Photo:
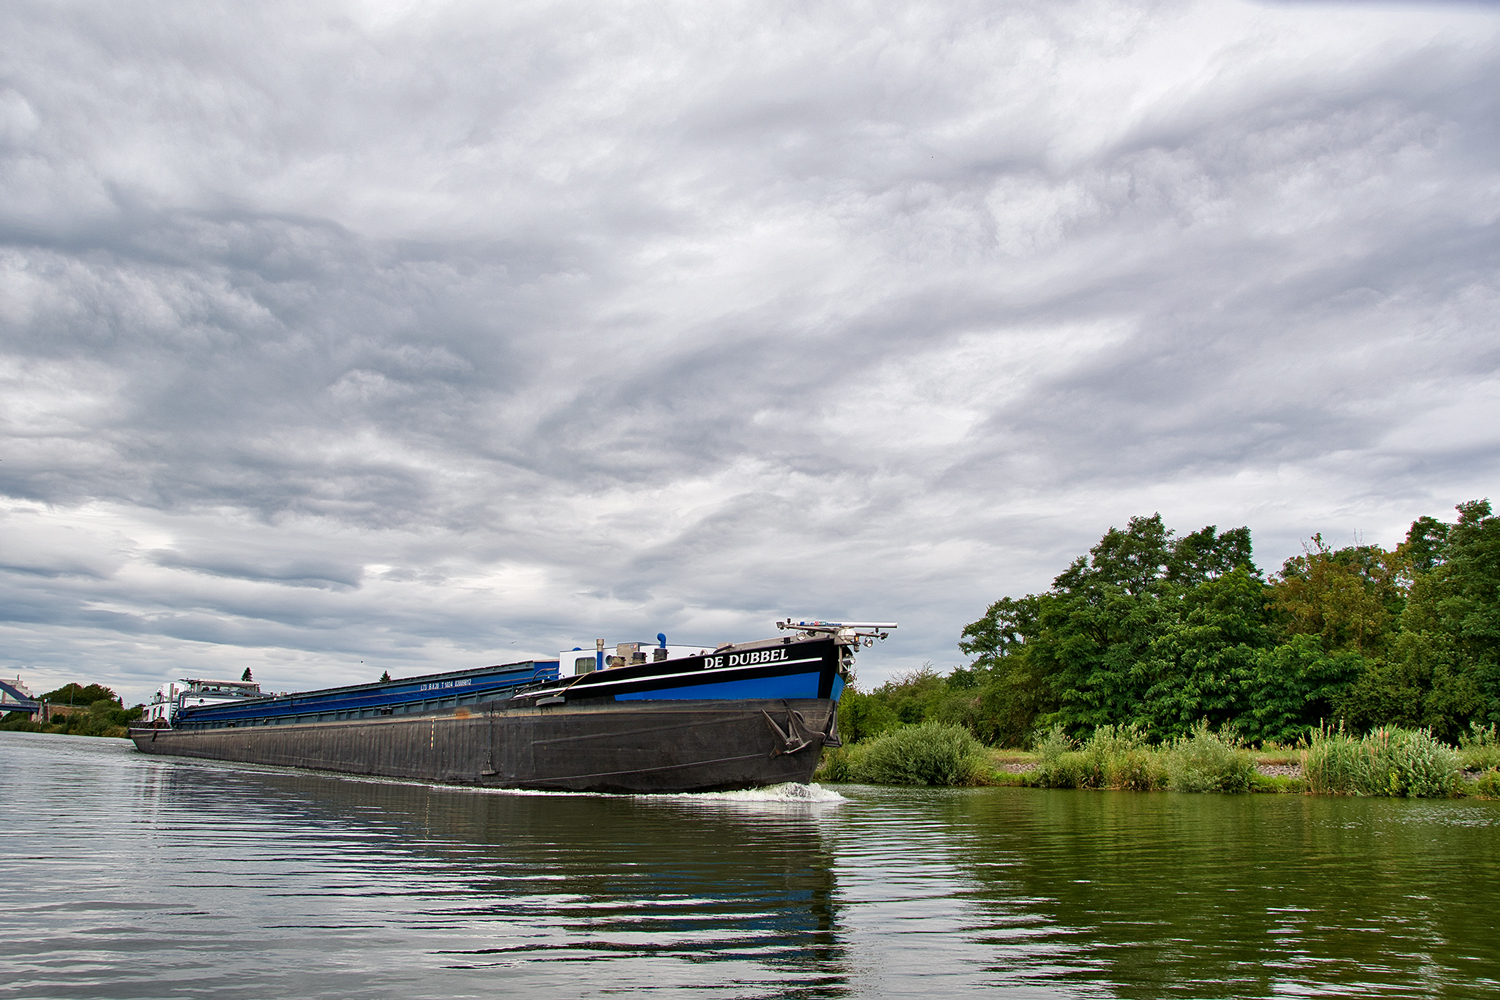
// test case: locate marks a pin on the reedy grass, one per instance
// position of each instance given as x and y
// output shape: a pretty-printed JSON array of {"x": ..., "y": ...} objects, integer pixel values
[
  {"x": 1386, "y": 762},
  {"x": 1408, "y": 763},
  {"x": 1479, "y": 749},
  {"x": 1119, "y": 757}
]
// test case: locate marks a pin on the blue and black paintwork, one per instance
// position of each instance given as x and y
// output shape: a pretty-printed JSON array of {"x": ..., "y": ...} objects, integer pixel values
[
  {"x": 742, "y": 716},
  {"x": 775, "y": 668}
]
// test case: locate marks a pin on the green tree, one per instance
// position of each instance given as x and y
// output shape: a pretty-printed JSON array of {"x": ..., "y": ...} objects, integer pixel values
[
  {"x": 1444, "y": 668},
  {"x": 79, "y": 694},
  {"x": 1146, "y": 629},
  {"x": 1350, "y": 598},
  {"x": 1012, "y": 694},
  {"x": 1299, "y": 685}
]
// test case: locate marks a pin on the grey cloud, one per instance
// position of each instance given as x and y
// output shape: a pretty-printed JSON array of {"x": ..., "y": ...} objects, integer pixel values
[{"x": 571, "y": 321}]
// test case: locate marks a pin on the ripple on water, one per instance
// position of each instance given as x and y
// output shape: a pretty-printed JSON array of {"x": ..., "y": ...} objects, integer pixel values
[{"x": 128, "y": 876}]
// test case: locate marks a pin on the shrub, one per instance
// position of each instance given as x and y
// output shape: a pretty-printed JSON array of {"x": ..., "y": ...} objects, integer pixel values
[
  {"x": 1411, "y": 763},
  {"x": 1118, "y": 757},
  {"x": 1059, "y": 765},
  {"x": 19, "y": 722},
  {"x": 1206, "y": 761},
  {"x": 1113, "y": 757},
  {"x": 926, "y": 754},
  {"x": 1488, "y": 785},
  {"x": 1398, "y": 762},
  {"x": 864, "y": 716},
  {"x": 840, "y": 764},
  {"x": 1479, "y": 749}
]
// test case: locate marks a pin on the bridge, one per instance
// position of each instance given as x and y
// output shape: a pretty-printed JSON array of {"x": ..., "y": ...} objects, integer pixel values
[{"x": 15, "y": 698}]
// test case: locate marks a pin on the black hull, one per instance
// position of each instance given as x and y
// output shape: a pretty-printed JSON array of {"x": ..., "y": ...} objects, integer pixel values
[{"x": 641, "y": 746}]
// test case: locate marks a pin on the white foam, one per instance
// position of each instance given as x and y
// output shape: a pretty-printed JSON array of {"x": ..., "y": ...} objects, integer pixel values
[{"x": 787, "y": 793}]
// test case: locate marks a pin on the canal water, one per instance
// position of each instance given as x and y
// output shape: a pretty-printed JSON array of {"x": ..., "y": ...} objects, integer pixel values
[{"x": 130, "y": 876}]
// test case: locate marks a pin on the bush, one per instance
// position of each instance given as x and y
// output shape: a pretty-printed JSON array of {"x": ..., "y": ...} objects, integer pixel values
[
  {"x": 1488, "y": 785},
  {"x": 1118, "y": 757},
  {"x": 1409, "y": 763},
  {"x": 19, "y": 722},
  {"x": 864, "y": 716},
  {"x": 1205, "y": 761},
  {"x": 926, "y": 754},
  {"x": 840, "y": 764},
  {"x": 1058, "y": 765},
  {"x": 1478, "y": 749},
  {"x": 1113, "y": 757}
]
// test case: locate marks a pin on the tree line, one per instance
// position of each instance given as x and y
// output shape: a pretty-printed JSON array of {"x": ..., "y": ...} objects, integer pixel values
[{"x": 1160, "y": 631}]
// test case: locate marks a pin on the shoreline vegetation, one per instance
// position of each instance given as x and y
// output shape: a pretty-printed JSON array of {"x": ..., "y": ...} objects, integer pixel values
[
  {"x": 1401, "y": 763},
  {"x": 1158, "y": 660},
  {"x": 77, "y": 710}
]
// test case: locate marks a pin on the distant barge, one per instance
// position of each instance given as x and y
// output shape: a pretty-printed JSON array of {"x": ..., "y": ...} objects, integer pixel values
[{"x": 642, "y": 719}]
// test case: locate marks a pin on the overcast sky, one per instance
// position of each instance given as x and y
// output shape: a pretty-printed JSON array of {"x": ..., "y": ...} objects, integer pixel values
[{"x": 338, "y": 338}]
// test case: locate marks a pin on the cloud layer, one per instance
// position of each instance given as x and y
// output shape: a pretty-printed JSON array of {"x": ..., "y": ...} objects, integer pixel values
[{"x": 337, "y": 338}]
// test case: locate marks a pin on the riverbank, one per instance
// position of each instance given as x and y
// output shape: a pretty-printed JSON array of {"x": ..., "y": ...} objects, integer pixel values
[
  {"x": 1385, "y": 762},
  {"x": 1273, "y": 773}
]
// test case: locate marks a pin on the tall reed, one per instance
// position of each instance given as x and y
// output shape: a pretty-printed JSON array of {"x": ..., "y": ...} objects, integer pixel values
[
  {"x": 1119, "y": 757},
  {"x": 1409, "y": 763}
]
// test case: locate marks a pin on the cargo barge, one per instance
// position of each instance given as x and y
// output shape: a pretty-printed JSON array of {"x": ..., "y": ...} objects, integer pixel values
[{"x": 634, "y": 719}]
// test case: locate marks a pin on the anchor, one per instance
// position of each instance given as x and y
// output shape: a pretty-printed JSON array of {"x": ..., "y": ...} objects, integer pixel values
[{"x": 793, "y": 738}]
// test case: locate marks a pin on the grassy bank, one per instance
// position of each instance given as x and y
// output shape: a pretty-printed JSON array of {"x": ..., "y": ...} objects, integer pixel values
[
  {"x": 103, "y": 717},
  {"x": 1387, "y": 761}
]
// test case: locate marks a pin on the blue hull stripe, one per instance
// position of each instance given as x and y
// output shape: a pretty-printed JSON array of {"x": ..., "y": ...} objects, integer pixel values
[{"x": 785, "y": 686}]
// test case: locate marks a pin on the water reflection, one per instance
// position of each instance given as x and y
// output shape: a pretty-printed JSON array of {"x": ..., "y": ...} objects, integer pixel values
[
  {"x": 1255, "y": 896},
  {"x": 732, "y": 895},
  {"x": 133, "y": 876}
]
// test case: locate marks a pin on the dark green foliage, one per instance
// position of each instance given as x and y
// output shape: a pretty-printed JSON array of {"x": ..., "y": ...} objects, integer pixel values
[
  {"x": 1158, "y": 632},
  {"x": 1466, "y": 599},
  {"x": 926, "y": 754},
  {"x": 863, "y": 716},
  {"x": 19, "y": 722},
  {"x": 1297, "y": 685},
  {"x": 95, "y": 711},
  {"x": 1148, "y": 630},
  {"x": 77, "y": 694}
]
